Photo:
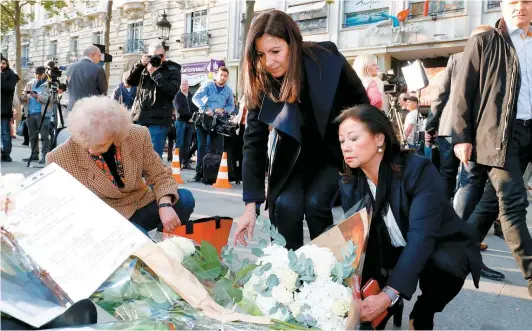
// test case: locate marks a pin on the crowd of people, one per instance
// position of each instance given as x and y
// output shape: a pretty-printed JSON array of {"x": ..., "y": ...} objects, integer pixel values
[{"x": 303, "y": 99}]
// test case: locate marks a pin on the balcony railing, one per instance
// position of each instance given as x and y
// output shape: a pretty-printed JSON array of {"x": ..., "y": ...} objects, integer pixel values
[
  {"x": 135, "y": 46},
  {"x": 196, "y": 39},
  {"x": 24, "y": 62},
  {"x": 72, "y": 57}
]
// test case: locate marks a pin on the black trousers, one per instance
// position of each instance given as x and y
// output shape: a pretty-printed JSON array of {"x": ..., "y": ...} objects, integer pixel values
[
  {"x": 306, "y": 196},
  {"x": 448, "y": 165},
  {"x": 507, "y": 191},
  {"x": 438, "y": 288}
]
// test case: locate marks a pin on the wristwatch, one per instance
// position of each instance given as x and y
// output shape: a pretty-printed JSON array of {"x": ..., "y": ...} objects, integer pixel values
[
  {"x": 166, "y": 204},
  {"x": 391, "y": 294}
]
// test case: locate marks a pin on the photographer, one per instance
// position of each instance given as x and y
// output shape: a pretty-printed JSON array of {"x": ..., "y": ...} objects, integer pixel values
[
  {"x": 212, "y": 98},
  {"x": 158, "y": 81},
  {"x": 35, "y": 96}
]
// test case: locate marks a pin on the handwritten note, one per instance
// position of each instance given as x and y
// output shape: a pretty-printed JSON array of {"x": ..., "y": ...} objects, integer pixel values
[{"x": 69, "y": 232}]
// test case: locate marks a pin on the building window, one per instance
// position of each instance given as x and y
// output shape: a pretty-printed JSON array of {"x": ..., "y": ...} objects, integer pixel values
[
  {"x": 97, "y": 22},
  {"x": 74, "y": 44},
  {"x": 135, "y": 42},
  {"x": 493, "y": 4},
  {"x": 364, "y": 12},
  {"x": 440, "y": 7},
  {"x": 197, "y": 34},
  {"x": 97, "y": 38},
  {"x": 52, "y": 51},
  {"x": 309, "y": 16},
  {"x": 25, "y": 59}
]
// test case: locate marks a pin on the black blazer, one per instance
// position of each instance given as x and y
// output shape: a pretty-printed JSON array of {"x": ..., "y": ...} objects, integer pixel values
[
  {"x": 429, "y": 224},
  {"x": 184, "y": 106},
  {"x": 333, "y": 87}
]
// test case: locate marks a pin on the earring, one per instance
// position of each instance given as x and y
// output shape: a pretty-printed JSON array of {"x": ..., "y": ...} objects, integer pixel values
[{"x": 379, "y": 149}]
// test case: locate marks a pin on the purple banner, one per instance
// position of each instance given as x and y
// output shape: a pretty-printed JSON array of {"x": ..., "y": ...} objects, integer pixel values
[{"x": 201, "y": 67}]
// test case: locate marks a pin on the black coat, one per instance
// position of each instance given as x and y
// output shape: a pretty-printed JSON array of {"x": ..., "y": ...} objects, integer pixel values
[
  {"x": 333, "y": 87},
  {"x": 155, "y": 93},
  {"x": 430, "y": 226},
  {"x": 484, "y": 96},
  {"x": 184, "y": 106},
  {"x": 9, "y": 83}
]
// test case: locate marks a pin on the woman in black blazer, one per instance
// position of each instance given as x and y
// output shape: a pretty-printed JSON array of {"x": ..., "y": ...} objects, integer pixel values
[
  {"x": 415, "y": 235},
  {"x": 298, "y": 88}
]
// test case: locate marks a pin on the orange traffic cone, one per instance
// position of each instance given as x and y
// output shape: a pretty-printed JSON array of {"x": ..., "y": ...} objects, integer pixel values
[
  {"x": 176, "y": 167},
  {"x": 222, "y": 181}
]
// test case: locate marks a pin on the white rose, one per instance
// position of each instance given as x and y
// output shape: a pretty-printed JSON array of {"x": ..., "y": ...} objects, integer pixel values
[
  {"x": 295, "y": 307},
  {"x": 340, "y": 308},
  {"x": 282, "y": 295},
  {"x": 265, "y": 304},
  {"x": 186, "y": 245},
  {"x": 173, "y": 251},
  {"x": 287, "y": 277}
]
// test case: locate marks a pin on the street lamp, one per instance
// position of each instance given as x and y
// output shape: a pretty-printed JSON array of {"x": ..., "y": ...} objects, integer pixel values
[{"x": 164, "y": 29}]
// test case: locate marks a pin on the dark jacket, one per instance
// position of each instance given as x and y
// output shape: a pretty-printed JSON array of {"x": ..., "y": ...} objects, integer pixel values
[
  {"x": 184, "y": 106},
  {"x": 9, "y": 83},
  {"x": 124, "y": 96},
  {"x": 484, "y": 96},
  {"x": 157, "y": 91},
  {"x": 333, "y": 86},
  {"x": 438, "y": 118},
  {"x": 85, "y": 78},
  {"x": 432, "y": 233}
]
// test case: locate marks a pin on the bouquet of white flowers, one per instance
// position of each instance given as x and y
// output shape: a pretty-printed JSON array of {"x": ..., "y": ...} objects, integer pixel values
[{"x": 308, "y": 287}]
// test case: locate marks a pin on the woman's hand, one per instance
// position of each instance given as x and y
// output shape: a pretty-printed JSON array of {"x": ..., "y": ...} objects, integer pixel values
[
  {"x": 373, "y": 306},
  {"x": 169, "y": 218},
  {"x": 245, "y": 226}
]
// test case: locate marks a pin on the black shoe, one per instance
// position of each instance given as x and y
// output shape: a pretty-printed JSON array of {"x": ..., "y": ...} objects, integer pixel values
[
  {"x": 26, "y": 143},
  {"x": 497, "y": 229},
  {"x": 6, "y": 158},
  {"x": 187, "y": 167},
  {"x": 488, "y": 273},
  {"x": 197, "y": 179},
  {"x": 32, "y": 159}
]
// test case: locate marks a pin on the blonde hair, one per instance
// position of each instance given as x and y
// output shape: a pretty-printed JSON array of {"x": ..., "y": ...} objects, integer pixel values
[
  {"x": 96, "y": 117},
  {"x": 362, "y": 64}
]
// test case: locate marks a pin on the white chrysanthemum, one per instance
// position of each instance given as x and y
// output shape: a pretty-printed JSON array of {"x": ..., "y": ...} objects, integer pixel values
[
  {"x": 328, "y": 300},
  {"x": 282, "y": 295},
  {"x": 274, "y": 254},
  {"x": 287, "y": 276},
  {"x": 265, "y": 304},
  {"x": 322, "y": 258},
  {"x": 186, "y": 245}
]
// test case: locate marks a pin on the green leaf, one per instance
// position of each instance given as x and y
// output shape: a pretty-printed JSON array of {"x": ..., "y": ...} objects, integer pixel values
[
  {"x": 257, "y": 252},
  {"x": 301, "y": 318},
  {"x": 308, "y": 279},
  {"x": 267, "y": 294},
  {"x": 266, "y": 267},
  {"x": 311, "y": 321},
  {"x": 209, "y": 252},
  {"x": 273, "y": 310},
  {"x": 304, "y": 307},
  {"x": 224, "y": 293},
  {"x": 349, "y": 260},
  {"x": 263, "y": 243},
  {"x": 204, "y": 270},
  {"x": 292, "y": 257},
  {"x": 245, "y": 261},
  {"x": 350, "y": 247},
  {"x": 244, "y": 272},
  {"x": 272, "y": 281}
]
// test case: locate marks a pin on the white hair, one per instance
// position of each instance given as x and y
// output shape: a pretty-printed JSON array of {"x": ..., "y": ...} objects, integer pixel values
[
  {"x": 90, "y": 50},
  {"x": 363, "y": 63},
  {"x": 96, "y": 117},
  {"x": 154, "y": 47}
]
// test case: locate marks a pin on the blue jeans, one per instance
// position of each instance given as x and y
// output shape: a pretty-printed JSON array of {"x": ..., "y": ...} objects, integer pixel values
[
  {"x": 147, "y": 217},
  {"x": 183, "y": 140},
  {"x": 6, "y": 137},
  {"x": 158, "y": 137}
]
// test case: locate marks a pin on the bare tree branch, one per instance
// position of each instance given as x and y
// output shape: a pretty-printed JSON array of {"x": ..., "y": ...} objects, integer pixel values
[{"x": 4, "y": 8}]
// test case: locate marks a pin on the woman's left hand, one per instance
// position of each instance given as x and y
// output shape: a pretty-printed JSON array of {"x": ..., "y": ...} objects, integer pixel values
[
  {"x": 169, "y": 218},
  {"x": 373, "y": 306}
]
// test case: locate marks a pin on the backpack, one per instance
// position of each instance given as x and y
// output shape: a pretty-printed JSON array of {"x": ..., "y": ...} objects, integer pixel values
[{"x": 211, "y": 165}]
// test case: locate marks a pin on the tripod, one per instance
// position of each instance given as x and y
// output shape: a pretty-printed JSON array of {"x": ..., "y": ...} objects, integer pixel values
[
  {"x": 395, "y": 118},
  {"x": 53, "y": 99}
]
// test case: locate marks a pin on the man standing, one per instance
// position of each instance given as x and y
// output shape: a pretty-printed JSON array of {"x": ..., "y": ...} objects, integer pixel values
[
  {"x": 184, "y": 128},
  {"x": 35, "y": 96},
  {"x": 157, "y": 80},
  {"x": 86, "y": 77},
  {"x": 492, "y": 122},
  {"x": 9, "y": 82},
  {"x": 213, "y": 97},
  {"x": 413, "y": 122}
]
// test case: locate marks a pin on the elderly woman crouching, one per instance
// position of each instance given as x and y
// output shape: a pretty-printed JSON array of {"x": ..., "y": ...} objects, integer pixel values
[{"x": 109, "y": 155}]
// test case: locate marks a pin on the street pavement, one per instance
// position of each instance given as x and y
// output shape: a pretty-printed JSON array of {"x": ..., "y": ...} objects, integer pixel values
[{"x": 496, "y": 305}]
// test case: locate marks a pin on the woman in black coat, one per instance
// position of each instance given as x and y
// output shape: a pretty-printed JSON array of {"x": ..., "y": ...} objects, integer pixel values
[
  {"x": 415, "y": 234},
  {"x": 297, "y": 88}
]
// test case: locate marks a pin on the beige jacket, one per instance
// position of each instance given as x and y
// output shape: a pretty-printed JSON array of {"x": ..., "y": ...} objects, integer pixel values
[{"x": 138, "y": 159}]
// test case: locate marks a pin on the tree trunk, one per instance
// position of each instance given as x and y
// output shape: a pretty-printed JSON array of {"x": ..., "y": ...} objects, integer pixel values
[
  {"x": 18, "y": 57},
  {"x": 250, "y": 8},
  {"x": 108, "y": 18}
]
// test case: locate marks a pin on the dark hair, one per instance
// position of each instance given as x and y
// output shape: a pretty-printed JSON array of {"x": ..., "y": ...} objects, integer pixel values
[
  {"x": 223, "y": 68},
  {"x": 256, "y": 79},
  {"x": 62, "y": 86},
  {"x": 375, "y": 122}
]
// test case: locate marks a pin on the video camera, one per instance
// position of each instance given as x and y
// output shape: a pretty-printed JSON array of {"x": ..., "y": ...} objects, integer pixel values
[
  {"x": 393, "y": 84},
  {"x": 54, "y": 72}
]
